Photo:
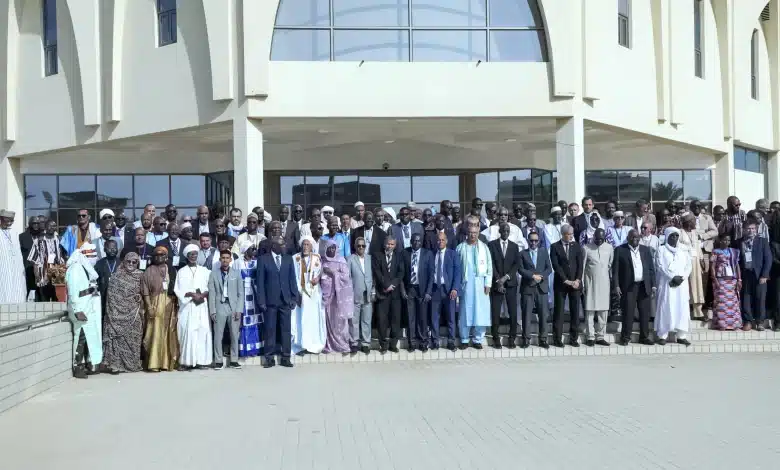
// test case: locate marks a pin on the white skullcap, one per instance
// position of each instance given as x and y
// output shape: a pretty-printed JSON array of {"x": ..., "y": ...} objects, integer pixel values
[
  {"x": 555, "y": 209},
  {"x": 411, "y": 205},
  {"x": 531, "y": 205},
  {"x": 359, "y": 204},
  {"x": 670, "y": 230},
  {"x": 189, "y": 249},
  {"x": 185, "y": 225},
  {"x": 617, "y": 214},
  {"x": 310, "y": 240},
  {"x": 106, "y": 212},
  {"x": 251, "y": 215},
  {"x": 391, "y": 212},
  {"x": 245, "y": 245},
  {"x": 328, "y": 209}
]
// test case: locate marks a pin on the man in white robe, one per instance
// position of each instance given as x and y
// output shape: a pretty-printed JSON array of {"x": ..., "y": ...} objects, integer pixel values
[
  {"x": 13, "y": 283},
  {"x": 194, "y": 329},
  {"x": 84, "y": 311},
  {"x": 673, "y": 265},
  {"x": 477, "y": 267}
]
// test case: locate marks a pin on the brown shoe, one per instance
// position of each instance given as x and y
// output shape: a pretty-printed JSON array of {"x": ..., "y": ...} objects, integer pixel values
[{"x": 747, "y": 327}]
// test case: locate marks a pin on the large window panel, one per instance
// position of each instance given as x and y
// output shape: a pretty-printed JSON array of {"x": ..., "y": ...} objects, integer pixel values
[
  {"x": 667, "y": 185},
  {"x": 515, "y": 186},
  {"x": 77, "y": 191},
  {"x": 114, "y": 191},
  {"x": 291, "y": 190},
  {"x": 517, "y": 46},
  {"x": 303, "y": 13},
  {"x": 514, "y": 13},
  {"x": 363, "y": 13},
  {"x": 435, "y": 188},
  {"x": 388, "y": 189},
  {"x": 152, "y": 189},
  {"x": 753, "y": 161},
  {"x": 449, "y": 46},
  {"x": 380, "y": 45},
  {"x": 487, "y": 186},
  {"x": 698, "y": 184},
  {"x": 600, "y": 185},
  {"x": 40, "y": 192},
  {"x": 301, "y": 45},
  {"x": 448, "y": 13},
  {"x": 740, "y": 158},
  {"x": 632, "y": 186},
  {"x": 319, "y": 191},
  {"x": 345, "y": 193},
  {"x": 543, "y": 190},
  {"x": 188, "y": 190}
]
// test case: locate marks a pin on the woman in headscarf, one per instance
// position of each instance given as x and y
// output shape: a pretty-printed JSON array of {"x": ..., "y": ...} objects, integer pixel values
[
  {"x": 726, "y": 284},
  {"x": 123, "y": 327},
  {"x": 595, "y": 222},
  {"x": 337, "y": 299},
  {"x": 249, "y": 342},
  {"x": 84, "y": 312},
  {"x": 309, "y": 332},
  {"x": 161, "y": 341}
]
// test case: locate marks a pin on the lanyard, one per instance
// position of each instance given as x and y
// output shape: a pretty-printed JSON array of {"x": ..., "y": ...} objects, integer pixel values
[{"x": 110, "y": 267}]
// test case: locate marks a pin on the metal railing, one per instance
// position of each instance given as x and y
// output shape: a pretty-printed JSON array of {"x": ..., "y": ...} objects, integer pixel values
[{"x": 36, "y": 323}]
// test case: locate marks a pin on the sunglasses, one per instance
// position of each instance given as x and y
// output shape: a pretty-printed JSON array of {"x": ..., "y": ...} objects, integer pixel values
[
  {"x": 106, "y": 217},
  {"x": 132, "y": 262},
  {"x": 360, "y": 246},
  {"x": 83, "y": 216},
  {"x": 203, "y": 213},
  {"x": 533, "y": 241}
]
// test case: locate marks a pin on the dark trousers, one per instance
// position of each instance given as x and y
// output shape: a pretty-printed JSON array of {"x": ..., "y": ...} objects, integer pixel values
[
  {"x": 388, "y": 312},
  {"x": 636, "y": 299},
  {"x": 496, "y": 301},
  {"x": 753, "y": 297},
  {"x": 441, "y": 303},
  {"x": 272, "y": 317},
  {"x": 417, "y": 317},
  {"x": 536, "y": 299},
  {"x": 774, "y": 283},
  {"x": 560, "y": 294}
]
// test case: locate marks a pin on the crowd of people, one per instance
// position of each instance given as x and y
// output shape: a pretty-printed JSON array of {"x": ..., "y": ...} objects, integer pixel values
[{"x": 169, "y": 293}]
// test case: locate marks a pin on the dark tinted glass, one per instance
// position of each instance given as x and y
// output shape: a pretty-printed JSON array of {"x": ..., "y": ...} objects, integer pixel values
[
  {"x": 667, "y": 185},
  {"x": 188, "y": 190},
  {"x": 114, "y": 191},
  {"x": 600, "y": 185},
  {"x": 40, "y": 192},
  {"x": 152, "y": 189},
  {"x": 632, "y": 186}
]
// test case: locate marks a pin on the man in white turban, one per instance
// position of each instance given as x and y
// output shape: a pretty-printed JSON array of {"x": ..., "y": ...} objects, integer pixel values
[
  {"x": 84, "y": 311},
  {"x": 194, "y": 327},
  {"x": 673, "y": 266},
  {"x": 13, "y": 286}
]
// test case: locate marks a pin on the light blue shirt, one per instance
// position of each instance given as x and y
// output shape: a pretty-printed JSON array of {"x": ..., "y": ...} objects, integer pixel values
[{"x": 342, "y": 243}]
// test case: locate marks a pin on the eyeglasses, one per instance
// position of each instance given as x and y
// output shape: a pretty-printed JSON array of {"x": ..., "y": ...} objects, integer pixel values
[
  {"x": 83, "y": 216},
  {"x": 533, "y": 241},
  {"x": 132, "y": 262},
  {"x": 107, "y": 217},
  {"x": 203, "y": 213},
  {"x": 361, "y": 245}
]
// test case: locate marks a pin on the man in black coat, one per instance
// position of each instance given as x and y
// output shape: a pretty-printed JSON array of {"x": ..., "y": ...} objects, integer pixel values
[
  {"x": 568, "y": 261},
  {"x": 431, "y": 241},
  {"x": 175, "y": 246},
  {"x": 105, "y": 268},
  {"x": 388, "y": 271},
  {"x": 633, "y": 273},
  {"x": 535, "y": 268},
  {"x": 416, "y": 291},
  {"x": 26, "y": 241},
  {"x": 373, "y": 235},
  {"x": 506, "y": 261},
  {"x": 755, "y": 260},
  {"x": 580, "y": 223}
]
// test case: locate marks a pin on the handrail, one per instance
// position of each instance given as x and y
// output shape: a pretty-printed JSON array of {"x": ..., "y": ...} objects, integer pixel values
[{"x": 32, "y": 324}]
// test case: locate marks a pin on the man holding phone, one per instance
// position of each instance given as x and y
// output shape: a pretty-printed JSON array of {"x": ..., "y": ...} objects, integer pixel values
[{"x": 84, "y": 311}]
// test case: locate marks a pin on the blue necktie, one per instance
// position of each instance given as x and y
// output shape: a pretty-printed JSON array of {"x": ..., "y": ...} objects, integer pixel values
[{"x": 533, "y": 257}]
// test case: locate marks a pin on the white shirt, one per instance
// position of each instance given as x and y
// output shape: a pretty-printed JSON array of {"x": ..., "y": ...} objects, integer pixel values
[
  {"x": 504, "y": 244},
  {"x": 440, "y": 263},
  {"x": 407, "y": 240},
  {"x": 367, "y": 235},
  {"x": 362, "y": 263},
  {"x": 636, "y": 260}
]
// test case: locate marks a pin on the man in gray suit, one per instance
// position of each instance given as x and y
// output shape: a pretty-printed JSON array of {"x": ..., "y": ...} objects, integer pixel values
[
  {"x": 403, "y": 230},
  {"x": 226, "y": 305},
  {"x": 708, "y": 232},
  {"x": 363, "y": 292}
]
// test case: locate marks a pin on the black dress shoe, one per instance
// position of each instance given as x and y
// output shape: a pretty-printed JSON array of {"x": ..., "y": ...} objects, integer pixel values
[
  {"x": 623, "y": 342},
  {"x": 510, "y": 343},
  {"x": 393, "y": 349},
  {"x": 524, "y": 343},
  {"x": 382, "y": 349},
  {"x": 646, "y": 341},
  {"x": 80, "y": 372},
  {"x": 434, "y": 346},
  {"x": 574, "y": 343},
  {"x": 286, "y": 362},
  {"x": 590, "y": 343},
  {"x": 558, "y": 343},
  {"x": 544, "y": 345},
  {"x": 477, "y": 345},
  {"x": 423, "y": 349},
  {"x": 463, "y": 346},
  {"x": 497, "y": 344},
  {"x": 602, "y": 342},
  {"x": 684, "y": 342},
  {"x": 365, "y": 350},
  {"x": 661, "y": 342},
  {"x": 451, "y": 347},
  {"x": 270, "y": 363},
  {"x": 353, "y": 350}
]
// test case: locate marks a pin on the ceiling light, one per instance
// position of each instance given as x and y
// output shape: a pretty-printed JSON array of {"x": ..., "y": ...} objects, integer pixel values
[
  {"x": 389, "y": 141},
  {"x": 322, "y": 131},
  {"x": 510, "y": 140},
  {"x": 401, "y": 120}
]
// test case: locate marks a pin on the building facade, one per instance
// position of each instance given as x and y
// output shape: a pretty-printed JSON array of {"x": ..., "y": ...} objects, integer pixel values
[{"x": 117, "y": 103}]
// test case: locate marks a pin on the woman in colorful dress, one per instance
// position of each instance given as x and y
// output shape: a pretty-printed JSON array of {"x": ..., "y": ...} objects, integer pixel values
[
  {"x": 337, "y": 299},
  {"x": 309, "y": 331},
  {"x": 122, "y": 322},
  {"x": 249, "y": 342},
  {"x": 161, "y": 337},
  {"x": 726, "y": 284}
]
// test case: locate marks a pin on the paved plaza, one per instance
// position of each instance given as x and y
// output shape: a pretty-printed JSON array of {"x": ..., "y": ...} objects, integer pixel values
[{"x": 707, "y": 411}]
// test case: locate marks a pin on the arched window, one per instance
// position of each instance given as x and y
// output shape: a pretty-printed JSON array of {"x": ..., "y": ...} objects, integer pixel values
[
  {"x": 754, "y": 65},
  {"x": 409, "y": 30}
]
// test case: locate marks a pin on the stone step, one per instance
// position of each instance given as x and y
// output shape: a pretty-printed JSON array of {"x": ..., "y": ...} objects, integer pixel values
[{"x": 703, "y": 347}]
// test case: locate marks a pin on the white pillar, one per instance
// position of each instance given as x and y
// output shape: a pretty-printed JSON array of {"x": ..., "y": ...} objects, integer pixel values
[
  {"x": 773, "y": 191},
  {"x": 723, "y": 178},
  {"x": 248, "y": 179},
  {"x": 570, "y": 159},
  {"x": 12, "y": 190}
]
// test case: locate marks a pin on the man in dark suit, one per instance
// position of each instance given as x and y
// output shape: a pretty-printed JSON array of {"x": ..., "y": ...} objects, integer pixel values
[
  {"x": 416, "y": 291},
  {"x": 446, "y": 287},
  {"x": 755, "y": 260},
  {"x": 277, "y": 294},
  {"x": 26, "y": 241},
  {"x": 535, "y": 268},
  {"x": 374, "y": 237},
  {"x": 139, "y": 246},
  {"x": 403, "y": 230},
  {"x": 105, "y": 268},
  {"x": 203, "y": 224},
  {"x": 291, "y": 231},
  {"x": 506, "y": 260},
  {"x": 273, "y": 230},
  {"x": 568, "y": 262},
  {"x": 431, "y": 241},
  {"x": 580, "y": 223},
  {"x": 388, "y": 270},
  {"x": 532, "y": 227},
  {"x": 633, "y": 273},
  {"x": 175, "y": 246}
]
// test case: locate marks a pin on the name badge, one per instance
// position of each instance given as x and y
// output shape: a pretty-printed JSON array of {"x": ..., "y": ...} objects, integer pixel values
[
  {"x": 51, "y": 258},
  {"x": 748, "y": 256},
  {"x": 142, "y": 265},
  {"x": 729, "y": 272},
  {"x": 165, "y": 285},
  {"x": 176, "y": 260}
]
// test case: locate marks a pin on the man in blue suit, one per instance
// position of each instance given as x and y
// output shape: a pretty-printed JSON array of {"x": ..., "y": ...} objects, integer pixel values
[
  {"x": 431, "y": 240},
  {"x": 277, "y": 295},
  {"x": 403, "y": 230},
  {"x": 535, "y": 269},
  {"x": 416, "y": 291},
  {"x": 446, "y": 287},
  {"x": 755, "y": 259}
]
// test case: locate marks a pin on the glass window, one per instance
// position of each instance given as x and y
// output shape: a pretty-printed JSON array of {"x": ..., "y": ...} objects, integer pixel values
[
  {"x": 624, "y": 21},
  {"x": 543, "y": 188},
  {"x": 360, "y": 13},
  {"x": 50, "y": 36},
  {"x": 114, "y": 191},
  {"x": 68, "y": 217},
  {"x": 166, "y": 17},
  {"x": 740, "y": 158},
  {"x": 449, "y": 46},
  {"x": 291, "y": 190},
  {"x": 452, "y": 13},
  {"x": 45, "y": 213},
  {"x": 381, "y": 45},
  {"x": 188, "y": 190},
  {"x": 697, "y": 39},
  {"x": 345, "y": 193},
  {"x": 667, "y": 185},
  {"x": 698, "y": 184},
  {"x": 385, "y": 189},
  {"x": 600, "y": 185},
  {"x": 515, "y": 186},
  {"x": 190, "y": 211},
  {"x": 752, "y": 161},
  {"x": 303, "y": 13},
  {"x": 40, "y": 191},
  {"x": 77, "y": 191},
  {"x": 514, "y": 13},
  {"x": 517, "y": 46},
  {"x": 319, "y": 191},
  {"x": 754, "y": 65},
  {"x": 152, "y": 189},
  {"x": 435, "y": 188},
  {"x": 632, "y": 186},
  {"x": 487, "y": 186},
  {"x": 301, "y": 45}
]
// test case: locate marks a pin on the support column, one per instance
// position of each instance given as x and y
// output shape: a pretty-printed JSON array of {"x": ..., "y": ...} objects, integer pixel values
[
  {"x": 570, "y": 159},
  {"x": 723, "y": 178},
  {"x": 773, "y": 177},
  {"x": 12, "y": 190},
  {"x": 248, "y": 177}
]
